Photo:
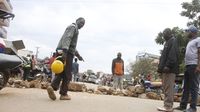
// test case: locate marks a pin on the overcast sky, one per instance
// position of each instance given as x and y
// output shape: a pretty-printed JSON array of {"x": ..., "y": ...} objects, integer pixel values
[{"x": 126, "y": 26}]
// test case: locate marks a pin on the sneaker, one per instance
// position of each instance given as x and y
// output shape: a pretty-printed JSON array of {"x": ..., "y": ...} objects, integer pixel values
[
  {"x": 190, "y": 110},
  {"x": 164, "y": 109},
  {"x": 51, "y": 93},
  {"x": 65, "y": 97},
  {"x": 180, "y": 108}
]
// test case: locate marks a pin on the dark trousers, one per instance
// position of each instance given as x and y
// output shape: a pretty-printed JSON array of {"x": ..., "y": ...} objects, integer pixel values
[
  {"x": 26, "y": 73},
  {"x": 191, "y": 87},
  {"x": 64, "y": 77}
]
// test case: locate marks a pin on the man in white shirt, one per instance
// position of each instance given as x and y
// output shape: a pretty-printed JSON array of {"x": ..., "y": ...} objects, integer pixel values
[{"x": 192, "y": 71}]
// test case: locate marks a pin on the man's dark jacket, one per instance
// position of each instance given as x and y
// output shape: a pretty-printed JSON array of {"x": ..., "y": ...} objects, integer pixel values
[{"x": 169, "y": 57}]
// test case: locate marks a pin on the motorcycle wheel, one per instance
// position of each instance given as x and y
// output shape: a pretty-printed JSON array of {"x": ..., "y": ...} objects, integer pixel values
[{"x": 4, "y": 76}]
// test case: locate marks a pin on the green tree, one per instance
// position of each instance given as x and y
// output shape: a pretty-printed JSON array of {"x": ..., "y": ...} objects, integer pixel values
[
  {"x": 192, "y": 12},
  {"x": 143, "y": 66}
]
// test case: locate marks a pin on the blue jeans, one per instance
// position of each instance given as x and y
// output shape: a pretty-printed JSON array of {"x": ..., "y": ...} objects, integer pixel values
[
  {"x": 191, "y": 86},
  {"x": 118, "y": 82}
]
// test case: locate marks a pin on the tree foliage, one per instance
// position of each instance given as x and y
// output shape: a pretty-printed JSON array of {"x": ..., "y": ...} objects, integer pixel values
[
  {"x": 192, "y": 12},
  {"x": 143, "y": 66}
]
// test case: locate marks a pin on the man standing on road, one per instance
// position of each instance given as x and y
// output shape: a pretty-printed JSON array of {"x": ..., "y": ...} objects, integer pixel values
[
  {"x": 168, "y": 68},
  {"x": 75, "y": 70},
  {"x": 118, "y": 71},
  {"x": 67, "y": 44},
  {"x": 191, "y": 75}
]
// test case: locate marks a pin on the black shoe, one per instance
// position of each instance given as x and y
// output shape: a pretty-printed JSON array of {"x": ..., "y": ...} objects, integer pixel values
[{"x": 179, "y": 108}]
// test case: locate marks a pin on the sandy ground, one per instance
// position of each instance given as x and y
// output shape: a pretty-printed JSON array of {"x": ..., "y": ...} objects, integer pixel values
[{"x": 36, "y": 100}]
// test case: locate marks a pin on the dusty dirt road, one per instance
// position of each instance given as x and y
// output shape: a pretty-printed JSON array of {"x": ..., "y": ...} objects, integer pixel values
[{"x": 36, "y": 100}]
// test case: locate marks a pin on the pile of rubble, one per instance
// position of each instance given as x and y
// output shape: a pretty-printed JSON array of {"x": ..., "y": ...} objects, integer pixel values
[
  {"x": 17, "y": 83},
  {"x": 131, "y": 91}
]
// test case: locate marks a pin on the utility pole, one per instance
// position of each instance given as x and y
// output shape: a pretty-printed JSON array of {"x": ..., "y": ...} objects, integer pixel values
[{"x": 37, "y": 52}]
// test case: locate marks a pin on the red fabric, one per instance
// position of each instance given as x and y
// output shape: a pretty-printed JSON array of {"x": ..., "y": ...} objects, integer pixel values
[
  {"x": 51, "y": 60},
  {"x": 2, "y": 46}
]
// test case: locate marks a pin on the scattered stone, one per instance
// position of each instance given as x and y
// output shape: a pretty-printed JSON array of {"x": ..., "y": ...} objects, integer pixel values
[
  {"x": 131, "y": 88},
  {"x": 118, "y": 93},
  {"x": 17, "y": 86},
  {"x": 135, "y": 94},
  {"x": 35, "y": 84},
  {"x": 102, "y": 89},
  {"x": 152, "y": 95},
  {"x": 90, "y": 90},
  {"x": 17, "y": 82},
  {"x": 115, "y": 93},
  {"x": 139, "y": 89},
  {"x": 44, "y": 85},
  {"x": 98, "y": 92},
  {"x": 76, "y": 87},
  {"x": 143, "y": 96},
  {"x": 11, "y": 81},
  {"x": 8, "y": 85},
  {"x": 25, "y": 84},
  {"x": 126, "y": 92},
  {"x": 110, "y": 91},
  {"x": 131, "y": 91}
]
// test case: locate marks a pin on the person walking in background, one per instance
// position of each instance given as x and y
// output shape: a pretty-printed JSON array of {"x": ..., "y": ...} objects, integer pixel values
[
  {"x": 33, "y": 66},
  {"x": 67, "y": 45},
  {"x": 33, "y": 62},
  {"x": 118, "y": 71},
  {"x": 191, "y": 75},
  {"x": 75, "y": 70},
  {"x": 168, "y": 68},
  {"x": 27, "y": 68},
  {"x": 51, "y": 60},
  {"x": 148, "y": 77}
]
